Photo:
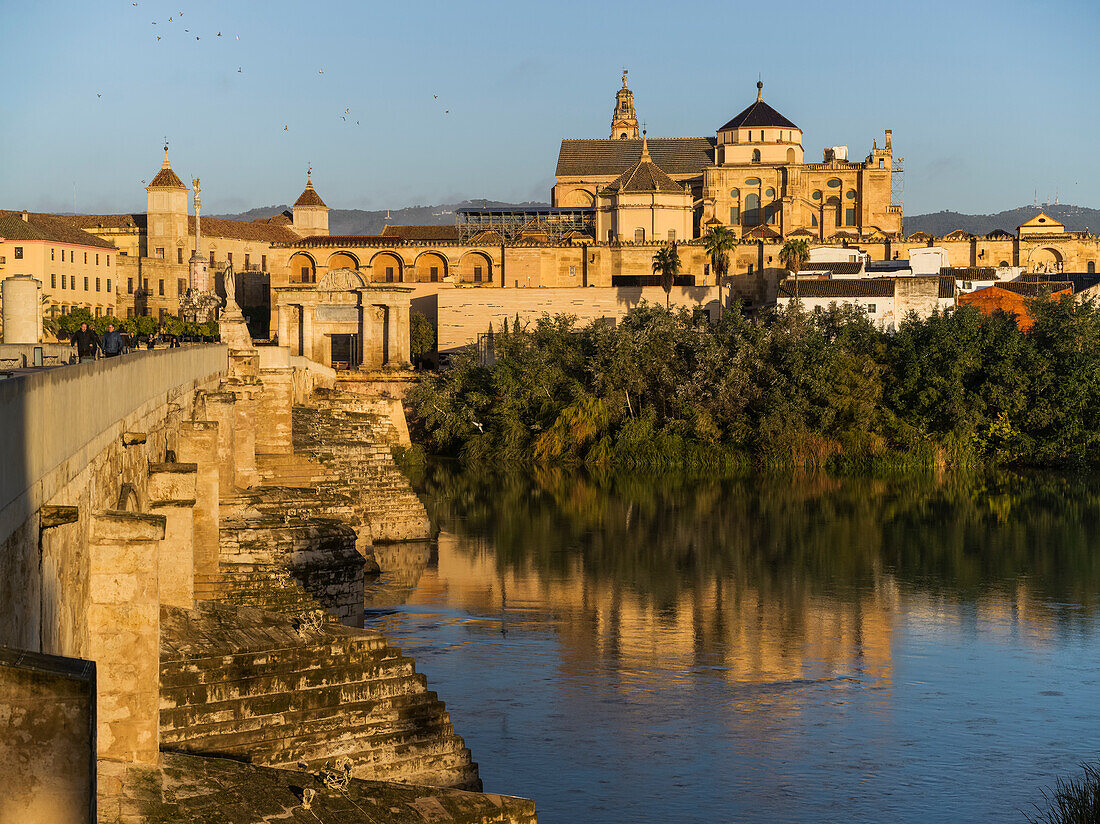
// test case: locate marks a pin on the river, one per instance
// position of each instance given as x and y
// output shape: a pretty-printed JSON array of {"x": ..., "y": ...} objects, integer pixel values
[{"x": 759, "y": 650}]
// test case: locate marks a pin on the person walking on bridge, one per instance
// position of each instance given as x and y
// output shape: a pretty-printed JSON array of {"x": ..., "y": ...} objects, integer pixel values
[
  {"x": 86, "y": 342},
  {"x": 112, "y": 342}
]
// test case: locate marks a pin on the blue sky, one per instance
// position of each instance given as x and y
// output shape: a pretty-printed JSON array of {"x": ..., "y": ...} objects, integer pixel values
[{"x": 989, "y": 101}]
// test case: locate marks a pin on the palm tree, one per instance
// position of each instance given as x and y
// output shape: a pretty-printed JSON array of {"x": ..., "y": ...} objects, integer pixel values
[
  {"x": 666, "y": 263},
  {"x": 50, "y": 326},
  {"x": 793, "y": 256},
  {"x": 718, "y": 242}
]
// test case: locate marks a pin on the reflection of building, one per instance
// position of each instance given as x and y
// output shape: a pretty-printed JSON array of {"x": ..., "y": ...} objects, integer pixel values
[{"x": 744, "y": 633}]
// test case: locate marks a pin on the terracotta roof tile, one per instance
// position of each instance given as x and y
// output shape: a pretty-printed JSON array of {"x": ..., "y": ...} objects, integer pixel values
[
  {"x": 40, "y": 226},
  {"x": 644, "y": 176},
  {"x": 309, "y": 197},
  {"x": 215, "y": 227},
  {"x": 93, "y": 222},
  {"x": 421, "y": 232},
  {"x": 167, "y": 178}
]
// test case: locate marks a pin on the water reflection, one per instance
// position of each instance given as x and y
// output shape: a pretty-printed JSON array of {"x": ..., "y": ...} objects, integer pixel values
[{"x": 816, "y": 642}]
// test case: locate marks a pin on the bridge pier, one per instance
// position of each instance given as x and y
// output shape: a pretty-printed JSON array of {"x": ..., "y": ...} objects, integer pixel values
[
  {"x": 198, "y": 445},
  {"x": 123, "y": 633},
  {"x": 172, "y": 491}
]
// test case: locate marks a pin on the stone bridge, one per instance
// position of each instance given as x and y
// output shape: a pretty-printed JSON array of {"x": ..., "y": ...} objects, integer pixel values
[{"x": 185, "y": 537}]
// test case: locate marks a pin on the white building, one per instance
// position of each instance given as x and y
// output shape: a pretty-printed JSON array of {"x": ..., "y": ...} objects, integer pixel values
[{"x": 886, "y": 300}]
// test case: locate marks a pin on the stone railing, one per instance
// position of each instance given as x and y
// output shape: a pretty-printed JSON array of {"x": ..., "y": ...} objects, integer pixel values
[{"x": 59, "y": 418}]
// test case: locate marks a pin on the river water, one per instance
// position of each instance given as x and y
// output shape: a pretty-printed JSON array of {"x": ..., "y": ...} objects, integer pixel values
[{"x": 764, "y": 650}]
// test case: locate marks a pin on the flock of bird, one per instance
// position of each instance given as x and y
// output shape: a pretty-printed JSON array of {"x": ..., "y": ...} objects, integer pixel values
[{"x": 240, "y": 69}]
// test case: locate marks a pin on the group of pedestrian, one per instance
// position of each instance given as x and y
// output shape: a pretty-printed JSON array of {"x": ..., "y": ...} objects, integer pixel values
[
  {"x": 113, "y": 343},
  {"x": 87, "y": 342}
]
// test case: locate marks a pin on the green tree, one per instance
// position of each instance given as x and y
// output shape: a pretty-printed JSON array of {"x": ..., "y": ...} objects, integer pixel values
[
  {"x": 719, "y": 241},
  {"x": 70, "y": 323},
  {"x": 422, "y": 336},
  {"x": 793, "y": 256},
  {"x": 666, "y": 263}
]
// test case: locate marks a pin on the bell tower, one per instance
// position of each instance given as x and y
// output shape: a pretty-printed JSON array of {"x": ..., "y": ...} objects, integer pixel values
[{"x": 624, "y": 121}]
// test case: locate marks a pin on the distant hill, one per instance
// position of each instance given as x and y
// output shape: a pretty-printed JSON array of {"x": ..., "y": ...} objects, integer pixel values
[
  {"x": 940, "y": 223},
  {"x": 363, "y": 222}
]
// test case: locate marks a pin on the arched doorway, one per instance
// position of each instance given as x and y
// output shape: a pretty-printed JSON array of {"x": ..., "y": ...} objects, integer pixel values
[
  {"x": 1045, "y": 259},
  {"x": 303, "y": 268},
  {"x": 476, "y": 267},
  {"x": 579, "y": 198},
  {"x": 386, "y": 267},
  {"x": 343, "y": 260},
  {"x": 431, "y": 267}
]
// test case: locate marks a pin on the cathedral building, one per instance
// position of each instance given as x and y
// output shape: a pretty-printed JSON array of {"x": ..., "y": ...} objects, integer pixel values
[{"x": 751, "y": 177}]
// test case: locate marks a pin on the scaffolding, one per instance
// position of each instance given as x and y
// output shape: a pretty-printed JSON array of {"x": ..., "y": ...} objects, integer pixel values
[
  {"x": 549, "y": 223},
  {"x": 897, "y": 186}
]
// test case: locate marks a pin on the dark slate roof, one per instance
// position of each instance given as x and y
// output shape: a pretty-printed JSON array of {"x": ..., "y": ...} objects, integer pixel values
[
  {"x": 675, "y": 155},
  {"x": 167, "y": 178},
  {"x": 39, "y": 226},
  {"x": 421, "y": 232},
  {"x": 847, "y": 267},
  {"x": 970, "y": 272},
  {"x": 309, "y": 197},
  {"x": 759, "y": 115},
  {"x": 1032, "y": 289},
  {"x": 840, "y": 288},
  {"x": 644, "y": 176}
]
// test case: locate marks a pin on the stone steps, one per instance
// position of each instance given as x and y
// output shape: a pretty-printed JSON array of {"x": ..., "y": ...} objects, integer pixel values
[{"x": 257, "y": 689}]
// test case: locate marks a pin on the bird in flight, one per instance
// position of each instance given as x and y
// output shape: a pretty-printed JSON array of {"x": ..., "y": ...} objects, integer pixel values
[
  {"x": 219, "y": 34},
  {"x": 169, "y": 19},
  {"x": 447, "y": 112},
  {"x": 158, "y": 37},
  {"x": 238, "y": 69},
  {"x": 320, "y": 71},
  {"x": 97, "y": 93},
  {"x": 284, "y": 128},
  {"x": 435, "y": 97}
]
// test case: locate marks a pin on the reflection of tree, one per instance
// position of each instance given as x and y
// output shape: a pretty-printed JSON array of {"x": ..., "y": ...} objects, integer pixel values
[{"x": 786, "y": 539}]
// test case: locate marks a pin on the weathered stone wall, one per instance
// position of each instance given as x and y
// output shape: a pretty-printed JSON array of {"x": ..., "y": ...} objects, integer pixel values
[
  {"x": 465, "y": 313},
  {"x": 336, "y": 430},
  {"x": 47, "y": 738}
]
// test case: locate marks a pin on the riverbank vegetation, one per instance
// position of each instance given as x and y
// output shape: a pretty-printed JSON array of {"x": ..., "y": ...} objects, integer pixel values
[{"x": 668, "y": 390}]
